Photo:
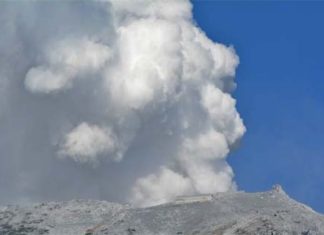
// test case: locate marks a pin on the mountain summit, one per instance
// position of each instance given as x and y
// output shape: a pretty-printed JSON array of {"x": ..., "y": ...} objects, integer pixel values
[{"x": 271, "y": 212}]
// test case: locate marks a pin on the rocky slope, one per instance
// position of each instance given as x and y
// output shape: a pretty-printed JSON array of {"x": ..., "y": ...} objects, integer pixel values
[{"x": 271, "y": 212}]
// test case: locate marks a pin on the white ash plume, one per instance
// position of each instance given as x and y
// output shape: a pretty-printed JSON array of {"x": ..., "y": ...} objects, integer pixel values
[{"x": 132, "y": 99}]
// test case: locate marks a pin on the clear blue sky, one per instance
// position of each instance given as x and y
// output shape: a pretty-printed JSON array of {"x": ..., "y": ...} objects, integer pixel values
[{"x": 280, "y": 91}]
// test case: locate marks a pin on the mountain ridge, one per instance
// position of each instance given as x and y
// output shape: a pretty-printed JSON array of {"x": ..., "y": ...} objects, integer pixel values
[{"x": 272, "y": 212}]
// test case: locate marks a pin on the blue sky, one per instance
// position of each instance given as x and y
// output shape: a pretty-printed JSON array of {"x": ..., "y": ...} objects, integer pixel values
[{"x": 280, "y": 91}]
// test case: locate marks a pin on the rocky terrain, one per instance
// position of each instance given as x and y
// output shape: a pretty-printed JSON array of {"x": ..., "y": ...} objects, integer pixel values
[{"x": 271, "y": 212}]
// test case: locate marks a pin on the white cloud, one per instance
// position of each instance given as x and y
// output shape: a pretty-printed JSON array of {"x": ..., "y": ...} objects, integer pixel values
[
  {"x": 64, "y": 62},
  {"x": 149, "y": 65},
  {"x": 160, "y": 188},
  {"x": 206, "y": 146},
  {"x": 85, "y": 142},
  {"x": 222, "y": 112},
  {"x": 137, "y": 70},
  {"x": 196, "y": 173},
  {"x": 168, "y": 9}
]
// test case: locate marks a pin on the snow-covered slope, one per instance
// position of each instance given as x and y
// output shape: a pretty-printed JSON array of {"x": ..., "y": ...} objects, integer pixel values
[{"x": 271, "y": 212}]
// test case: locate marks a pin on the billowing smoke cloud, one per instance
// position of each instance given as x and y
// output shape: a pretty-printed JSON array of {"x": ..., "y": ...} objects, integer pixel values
[
  {"x": 85, "y": 143},
  {"x": 65, "y": 61},
  {"x": 116, "y": 100}
]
